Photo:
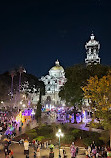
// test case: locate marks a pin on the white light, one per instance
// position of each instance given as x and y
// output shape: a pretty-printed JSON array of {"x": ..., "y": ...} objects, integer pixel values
[
  {"x": 2, "y": 102},
  {"x": 62, "y": 135},
  {"x": 33, "y": 113},
  {"x": 59, "y": 130},
  {"x": 24, "y": 105},
  {"x": 59, "y": 133},
  {"x": 20, "y": 102}
]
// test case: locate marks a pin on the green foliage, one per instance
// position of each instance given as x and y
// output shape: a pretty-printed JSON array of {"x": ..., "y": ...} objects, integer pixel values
[
  {"x": 45, "y": 130},
  {"x": 68, "y": 139},
  {"x": 5, "y": 84},
  {"x": 38, "y": 111},
  {"x": 76, "y": 133},
  {"x": 31, "y": 133},
  {"x": 104, "y": 137},
  {"x": 40, "y": 138},
  {"x": 89, "y": 137},
  {"x": 96, "y": 125},
  {"x": 77, "y": 76}
]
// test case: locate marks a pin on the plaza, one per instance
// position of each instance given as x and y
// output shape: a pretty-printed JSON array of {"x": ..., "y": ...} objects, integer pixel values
[{"x": 18, "y": 151}]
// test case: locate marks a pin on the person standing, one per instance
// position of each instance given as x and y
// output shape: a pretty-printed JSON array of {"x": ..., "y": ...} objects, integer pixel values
[
  {"x": 51, "y": 154},
  {"x": 38, "y": 152},
  {"x": 64, "y": 153},
  {"x": 73, "y": 150},
  {"x": 47, "y": 144},
  {"x": 6, "y": 151},
  {"x": 108, "y": 153},
  {"x": 26, "y": 147},
  {"x": 34, "y": 154}
]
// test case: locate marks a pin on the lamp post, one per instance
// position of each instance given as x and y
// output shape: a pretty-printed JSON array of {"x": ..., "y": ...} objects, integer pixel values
[{"x": 59, "y": 134}]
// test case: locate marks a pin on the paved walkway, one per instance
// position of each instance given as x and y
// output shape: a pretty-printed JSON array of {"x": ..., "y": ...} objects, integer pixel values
[
  {"x": 19, "y": 150},
  {"x": 82, "y": 126}
]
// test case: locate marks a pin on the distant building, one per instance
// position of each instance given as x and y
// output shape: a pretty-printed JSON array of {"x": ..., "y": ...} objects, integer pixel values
[
  {"x": 53, "y": 82},
  {"x": 92, "y": 51}
]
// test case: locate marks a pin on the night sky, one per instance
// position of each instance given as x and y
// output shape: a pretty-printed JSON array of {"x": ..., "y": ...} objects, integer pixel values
[{"x": 36, "y": 33}]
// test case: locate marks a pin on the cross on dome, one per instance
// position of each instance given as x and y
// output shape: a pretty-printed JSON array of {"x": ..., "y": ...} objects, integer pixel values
[{"x": 57, "y": 63}]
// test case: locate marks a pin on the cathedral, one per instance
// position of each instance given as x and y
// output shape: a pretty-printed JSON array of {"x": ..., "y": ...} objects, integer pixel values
[
  {"x": 53, "y": 82},
  {"x": 55, "y": 79}
]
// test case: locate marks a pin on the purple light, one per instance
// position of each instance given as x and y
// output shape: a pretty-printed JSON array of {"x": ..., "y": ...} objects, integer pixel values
[
  {"x": 9, "y": 130},
  {"x": 27, "y": 112}
]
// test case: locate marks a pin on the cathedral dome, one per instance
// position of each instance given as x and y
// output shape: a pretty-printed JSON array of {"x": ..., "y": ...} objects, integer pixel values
[{"x": 56, "y": 70}]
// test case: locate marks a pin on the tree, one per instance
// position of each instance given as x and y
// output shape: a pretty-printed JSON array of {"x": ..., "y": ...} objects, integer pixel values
[
  {"x": 77, "y": 76},
  {"x": 39, "y": 105},
  {"x": 99, "y": 93},
  {"x": 20, "y": 70},
  {"x": 12, "y": 73}
]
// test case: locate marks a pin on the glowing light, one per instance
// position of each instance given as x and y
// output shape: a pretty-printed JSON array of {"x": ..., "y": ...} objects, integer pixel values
[
  {"x": 84, "y": 116},
  {"x": 2, "y": 102},
  {"x": 20, "y": 117},
  {"x": 9, "y": 130},
  {"x": 59, "y": 133},
  {"x": 20, "y": 102},
  {"x": 24, "y": 105},
  {"x": 33, "y": 113}
]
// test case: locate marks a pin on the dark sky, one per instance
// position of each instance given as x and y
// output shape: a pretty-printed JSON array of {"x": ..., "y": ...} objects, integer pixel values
[{"x": 36, "y": 33}]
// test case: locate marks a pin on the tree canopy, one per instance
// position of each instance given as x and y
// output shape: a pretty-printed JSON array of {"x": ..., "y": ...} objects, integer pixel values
[
  {"x": 5, "y": 83},
  {"x": 99, "y": 93},
  {"x": 77, "y": 76}
]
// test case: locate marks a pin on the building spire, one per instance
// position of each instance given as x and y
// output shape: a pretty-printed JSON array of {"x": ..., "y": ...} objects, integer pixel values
[
  {"x": 92, "y": 36},
  {"x": 57, "y": 63},
  {"x": 92, "y": 51}
]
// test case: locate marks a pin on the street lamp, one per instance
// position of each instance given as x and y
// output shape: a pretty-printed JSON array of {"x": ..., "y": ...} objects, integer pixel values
[{"x": 59, "y": 134}]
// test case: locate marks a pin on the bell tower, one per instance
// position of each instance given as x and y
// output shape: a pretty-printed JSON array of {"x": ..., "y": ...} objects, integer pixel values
[{"x": 92, "y": 50}]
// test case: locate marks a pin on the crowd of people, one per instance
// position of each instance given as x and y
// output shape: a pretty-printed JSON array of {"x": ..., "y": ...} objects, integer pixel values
[
  {"x": 37, "y": 146},
  {"x": 94, "y": 151},
  {"x": 6, "y": 120}
]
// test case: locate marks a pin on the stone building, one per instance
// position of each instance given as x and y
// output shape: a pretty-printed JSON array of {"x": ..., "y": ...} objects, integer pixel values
[
  {"x": 53, "y": 82},
  {"x": 92, "y": 51}
]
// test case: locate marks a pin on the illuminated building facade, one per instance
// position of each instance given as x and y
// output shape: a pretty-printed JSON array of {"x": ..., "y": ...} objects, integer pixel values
[
  {"x": 92, "y": 51},
  {"x": 53, "y": 82}
]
